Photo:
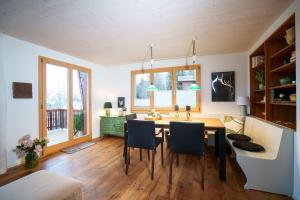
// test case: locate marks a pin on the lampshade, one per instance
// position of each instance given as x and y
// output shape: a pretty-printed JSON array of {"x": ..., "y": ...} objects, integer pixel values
[
  {"x": 187, "y": 108},
  {"x": 194, "y": 87},
  {"x": 243, "y": 101},
  {"x": 152, "y": 87},
  {"x": 176, "y": 108},
  {"x": 107, "y": 105}
]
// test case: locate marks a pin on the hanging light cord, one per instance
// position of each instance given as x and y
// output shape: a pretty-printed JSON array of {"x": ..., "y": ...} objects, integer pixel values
[{"x": 194, "y": 56}]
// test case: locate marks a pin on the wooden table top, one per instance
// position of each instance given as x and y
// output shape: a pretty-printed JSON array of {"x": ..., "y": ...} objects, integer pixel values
[{"x": 210, "y": 123}]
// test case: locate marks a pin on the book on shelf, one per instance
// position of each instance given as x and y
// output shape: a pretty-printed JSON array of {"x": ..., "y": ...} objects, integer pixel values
[
  {"x": 257, "y": 60},
  {"x": 280, "y": 101},
  {"x": 293, "y": 56}
]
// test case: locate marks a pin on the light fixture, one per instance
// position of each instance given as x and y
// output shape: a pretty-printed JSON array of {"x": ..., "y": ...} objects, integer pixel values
[
  {"x": 151, "y": 87},
  {"x": 243, "y": 102},
  {"x": 194, "y": 86}
]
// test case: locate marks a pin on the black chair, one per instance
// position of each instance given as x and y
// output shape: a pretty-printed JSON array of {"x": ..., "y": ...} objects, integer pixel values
[
  {"x": 127, "y": 117},
  {"x": 158, "y": 131},
  {"x": 187, "y": 138},
  {"x": 141, "y": 134}
]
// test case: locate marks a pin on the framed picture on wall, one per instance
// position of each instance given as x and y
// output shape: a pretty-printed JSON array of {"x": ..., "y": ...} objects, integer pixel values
[
  {"x": 222, "y": 86},
  {"x": 121, "y": 102}
]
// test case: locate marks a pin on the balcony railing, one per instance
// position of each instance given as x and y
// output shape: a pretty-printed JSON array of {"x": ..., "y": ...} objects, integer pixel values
[{"x": 58, "y": 118}]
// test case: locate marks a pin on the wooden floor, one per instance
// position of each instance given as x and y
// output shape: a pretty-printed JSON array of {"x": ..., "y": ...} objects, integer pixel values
[{"x": 101, "y": 170}]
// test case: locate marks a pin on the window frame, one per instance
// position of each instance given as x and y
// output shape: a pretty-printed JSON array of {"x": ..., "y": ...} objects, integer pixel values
[{"x": 173, "y": 71}]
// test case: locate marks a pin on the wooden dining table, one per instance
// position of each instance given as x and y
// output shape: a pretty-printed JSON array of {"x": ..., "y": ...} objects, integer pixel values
[{"x": 210, "y": 124}]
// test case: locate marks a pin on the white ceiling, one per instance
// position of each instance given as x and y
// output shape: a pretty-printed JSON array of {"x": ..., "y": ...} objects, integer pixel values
[{"x": 111, "y": 32}]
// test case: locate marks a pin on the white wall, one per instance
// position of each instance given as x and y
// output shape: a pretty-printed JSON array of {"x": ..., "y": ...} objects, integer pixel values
[
  {"x": 20, "y": 60},
  {"x": 293, "y": 8},
  {"x": 120, "y": 78},
  {"x": 3, "y": 163}
]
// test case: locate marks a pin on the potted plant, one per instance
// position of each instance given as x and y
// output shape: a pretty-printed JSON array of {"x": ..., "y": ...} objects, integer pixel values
[
  {"x": 260, "y": 77},
  {"x": 31, "y": 149}
]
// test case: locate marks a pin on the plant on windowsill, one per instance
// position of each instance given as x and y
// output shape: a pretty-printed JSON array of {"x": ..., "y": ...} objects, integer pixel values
[
  {"x": 31, "y": 149},
  {"x": 260, "y": 77}
]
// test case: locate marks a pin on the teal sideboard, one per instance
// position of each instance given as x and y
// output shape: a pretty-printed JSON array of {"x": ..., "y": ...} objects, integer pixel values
[{"x": 112, "y": 125}]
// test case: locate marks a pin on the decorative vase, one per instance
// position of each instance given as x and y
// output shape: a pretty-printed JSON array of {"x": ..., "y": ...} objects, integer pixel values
[
  {"x": 261, "y": 86},
  {"x": 31, "y": 160},
  {"x": 284, "y": 81},
  {"x": 290, "y": 35},
  {"x": 293, "y": 98}
]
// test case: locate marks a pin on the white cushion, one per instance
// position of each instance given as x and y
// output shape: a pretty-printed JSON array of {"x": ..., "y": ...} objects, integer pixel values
[{"x": 42, "y": 185}]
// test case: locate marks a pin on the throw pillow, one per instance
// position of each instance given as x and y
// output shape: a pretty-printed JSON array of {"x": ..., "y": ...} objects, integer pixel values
[{"x": 234, "y": 124}]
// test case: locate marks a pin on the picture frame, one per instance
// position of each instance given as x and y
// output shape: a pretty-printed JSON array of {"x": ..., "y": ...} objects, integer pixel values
[{"x": 223, "y": 86}]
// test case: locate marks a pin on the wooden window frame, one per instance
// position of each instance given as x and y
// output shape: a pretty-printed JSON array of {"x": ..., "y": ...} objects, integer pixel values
[
  {"x": 173, "y": 71},
  {"x": 43, "y": 61}
]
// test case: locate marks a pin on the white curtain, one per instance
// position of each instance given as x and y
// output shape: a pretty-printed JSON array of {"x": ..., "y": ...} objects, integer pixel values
[{"x": 3, "y": 164}]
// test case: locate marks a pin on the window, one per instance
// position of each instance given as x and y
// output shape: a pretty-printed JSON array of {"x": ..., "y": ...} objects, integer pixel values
[
  {"x": 141, "y": 95},
  {"x": 163, "y": 97},
  {"x": 172, "y": 84},
  {"x": 184, "y": 96}
]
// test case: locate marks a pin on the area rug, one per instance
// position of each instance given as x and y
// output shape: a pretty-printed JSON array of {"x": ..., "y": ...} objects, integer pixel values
[{"x": 78, "y": 147}]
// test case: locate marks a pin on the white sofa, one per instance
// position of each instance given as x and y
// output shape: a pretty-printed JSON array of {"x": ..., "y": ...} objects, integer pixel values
[
  {"x": 42, "y": 185},
  {"x": 271, "y": 170}
]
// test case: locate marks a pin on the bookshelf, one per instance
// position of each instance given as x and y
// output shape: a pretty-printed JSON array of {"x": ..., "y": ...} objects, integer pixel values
[{"x": 275, "y": 59}]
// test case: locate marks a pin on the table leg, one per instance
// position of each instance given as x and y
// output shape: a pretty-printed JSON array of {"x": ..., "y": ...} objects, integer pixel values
[
  {"x": 222, "y": 153},
  {"x": 217, "y": 143}
]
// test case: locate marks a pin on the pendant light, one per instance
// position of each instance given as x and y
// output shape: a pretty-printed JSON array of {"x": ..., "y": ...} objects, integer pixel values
[
  {"x": 194, "y": 86},
  {"x": 151, "y": 87}
]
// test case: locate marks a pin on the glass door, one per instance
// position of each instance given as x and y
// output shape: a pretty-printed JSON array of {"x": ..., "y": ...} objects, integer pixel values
[
  {"x": 57, "y": 103},
  {"x": 80, "y": 105},
  {"x": 64, "y": 104}
]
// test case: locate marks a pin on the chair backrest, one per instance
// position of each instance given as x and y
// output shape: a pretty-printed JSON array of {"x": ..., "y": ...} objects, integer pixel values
[
  {"x": 187, "y": 137},
  {"x": 131, "y": 116},
  {"x": 141, "y": 134}
]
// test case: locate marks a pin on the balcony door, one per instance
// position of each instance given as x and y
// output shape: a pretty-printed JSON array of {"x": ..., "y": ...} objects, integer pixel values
[{"x": 65, "y": 104}]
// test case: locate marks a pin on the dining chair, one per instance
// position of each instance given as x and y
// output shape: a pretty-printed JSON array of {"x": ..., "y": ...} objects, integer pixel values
[
  {"x": 159, "y": 133},
  {"x": 127, "y": 117},
  {"x": 141, "y": 134},
  {"x": 187, "y": 138}
]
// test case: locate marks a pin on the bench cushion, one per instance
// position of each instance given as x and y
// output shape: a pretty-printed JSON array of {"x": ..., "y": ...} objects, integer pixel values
[
  {"x": 238, "y": 137},
  {"x": 248, "y": 146},
  {"x": 42, "y": 185}
]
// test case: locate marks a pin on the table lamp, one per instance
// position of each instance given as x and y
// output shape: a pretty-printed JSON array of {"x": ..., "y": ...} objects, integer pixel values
[
  {"x": 243, "y": 102},
  {"x": 188, "y": 112},
  {"x": 107, "y": 107}
]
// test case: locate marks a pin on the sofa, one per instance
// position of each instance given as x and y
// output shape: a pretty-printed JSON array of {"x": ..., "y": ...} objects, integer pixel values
[{"x": 272, "y": 169}]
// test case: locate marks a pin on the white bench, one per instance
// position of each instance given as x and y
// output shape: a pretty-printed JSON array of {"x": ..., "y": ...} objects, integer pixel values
[
  {"x": 42, "y": 185},
  {"x": 271, "y": 170}
]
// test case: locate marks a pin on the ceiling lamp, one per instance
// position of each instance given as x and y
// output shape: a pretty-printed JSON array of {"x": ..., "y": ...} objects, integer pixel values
[
  {"x": 194, "y": 86},
  {"x": 151, "y": 87}
]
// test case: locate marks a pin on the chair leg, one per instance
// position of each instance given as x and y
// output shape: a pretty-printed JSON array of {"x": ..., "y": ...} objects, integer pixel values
[
  {"x": 171, "y": 163},
  {"x": 141, "y": 154},
  {"x": 162, "y": 153},
  {"x": 177, "y": 159},
  {"x": 203, "y": 161},
  {"x": 148, "y": 152},
  {"x": 127, "y": 160},
  {"x": 125, "y": 154},
  {"x": 152, "y": 165}
]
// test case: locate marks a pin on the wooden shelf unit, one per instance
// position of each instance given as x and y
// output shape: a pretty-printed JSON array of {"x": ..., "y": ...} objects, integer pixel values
[{"x": 276, "y": 66}]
